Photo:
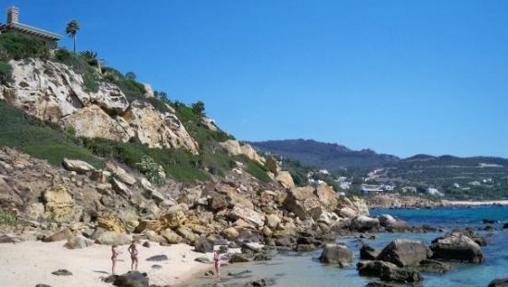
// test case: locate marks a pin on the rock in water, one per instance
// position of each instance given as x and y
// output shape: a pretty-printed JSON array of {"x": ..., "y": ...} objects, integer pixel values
[
  {"x": 368, "y": 253},
  {"x": 336, "y": 254},
  {"x": 456, "y": 247},
  {"x": 503, "y": 282},
  {"x": 402, "y": 252},
  {"x": 238, "y": 258},
  {"x": 388, "y": 272},
  {"x": 365, "y": 223}
]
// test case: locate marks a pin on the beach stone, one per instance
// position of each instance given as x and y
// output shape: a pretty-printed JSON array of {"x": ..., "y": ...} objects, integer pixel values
[
  {"x": 156, "y": 266},
  {"x": 10, "y": 238},
  {"x": 131, "y": 279},
  {"x": 62, "y": 272},
  {"x": 42, "y": 285},
  {"x": 336, "y": 254},
  {"x": 260, "y": 282},
  {"x": 238, "y": 258},
  {"x": 63, "y": 234},
  {"x": 367, "y": 252},
  {"x": 78, "y": 242},
  {"x": 203, "y": 260},
  {"x": 388, "y": 272},
  {"x": 113, "y": 238},
  {"x": 403, "y": 252},
  {"x": 231, "y": 233},
  {"x": 502, "y": 282},
  {"x": 456, "y": 247},
  {"x": 161, "y": 257}
]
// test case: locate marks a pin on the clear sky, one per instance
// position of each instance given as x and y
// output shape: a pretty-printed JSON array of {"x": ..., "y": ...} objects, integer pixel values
[{"x": 400, "y": 77}]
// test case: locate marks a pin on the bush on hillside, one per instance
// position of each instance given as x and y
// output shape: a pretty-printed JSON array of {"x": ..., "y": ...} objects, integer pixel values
[
  {"x": 152, "y": 170},
  {"x": 39, "y": 139},
  {"x": 7, "y": 218},
  {"x": 17, "y": 46},
  {"x": 5, "y": 72}
]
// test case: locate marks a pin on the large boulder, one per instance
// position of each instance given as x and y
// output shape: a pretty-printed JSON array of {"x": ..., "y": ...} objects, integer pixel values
[
  {"x": 59, "y": 204},
  {"x": 502, "y": 282},
  {"x": 130, "y": 279},
  {"x": 403, "y": 252},
  {"x": 303, "y": 203},
  {"x": 336, "y": 254},
  {"x": 248, "y": 215},
  {"x": 120, "y": 173},
  {"x": 392, "y": 224},
  {"x": 368, "y": 252},
  {"x": 63, "y": 234},
  {"x": 363, "y": 223},
  {"x": 389, "y": 272},
  {"x": 285, "y": 179},
  {"x": 111, "y": 223},
  {"x": 231, "y": 233},
  {"x": 327, "y": 196},
  {"x": 456, "y": 247},
  {"x": 78, "y": 166},
  {"x": 111, "y": 238},
  {"x": 234, "y": 148},
  {"x": 203, "y": 245},
  {"x": 171, "y": 237},
  {"x": 78, "y": 242}
]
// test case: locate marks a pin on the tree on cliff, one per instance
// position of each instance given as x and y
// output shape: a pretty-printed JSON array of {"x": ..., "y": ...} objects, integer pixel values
[
  {"x": 198, "y": 108},
  {"x": 72, "y": 30}
]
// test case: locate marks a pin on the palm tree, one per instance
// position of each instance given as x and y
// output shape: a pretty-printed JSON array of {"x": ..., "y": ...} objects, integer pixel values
[{"x": 71, "y": 30}]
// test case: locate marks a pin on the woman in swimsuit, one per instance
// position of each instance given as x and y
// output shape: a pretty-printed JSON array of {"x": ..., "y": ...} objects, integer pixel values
[
  {"x": 114, "y": 256},
  {"x": 133, "y": 250},
  {"x": 216, "y": 262}
]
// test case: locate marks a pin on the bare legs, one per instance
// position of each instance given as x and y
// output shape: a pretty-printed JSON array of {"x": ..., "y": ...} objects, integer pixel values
[
  {"x": 113, "y": 267},
  {"x": 134, "y": 264}
]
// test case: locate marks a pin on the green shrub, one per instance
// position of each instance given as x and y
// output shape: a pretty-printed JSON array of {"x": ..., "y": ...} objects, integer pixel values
[
  {"x": 255, "y": 169},
  {"x": 153, "y": 171},
  {"x": 18, "y": 46},
  {"x": 7, "y": 218},
  {"x": 5, "y": 72},
  {"x": 39, "y": 139}
]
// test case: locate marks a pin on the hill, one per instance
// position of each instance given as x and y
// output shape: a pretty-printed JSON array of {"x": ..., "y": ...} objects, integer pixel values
[{"x": 325, "y": 155}]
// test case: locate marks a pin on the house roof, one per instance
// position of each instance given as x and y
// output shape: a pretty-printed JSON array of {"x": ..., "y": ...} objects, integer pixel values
[{"x": 32, "y": 30}]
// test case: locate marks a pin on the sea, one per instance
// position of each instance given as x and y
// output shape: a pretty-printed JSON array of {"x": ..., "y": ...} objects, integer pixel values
[{"x": 304, "y": 269}]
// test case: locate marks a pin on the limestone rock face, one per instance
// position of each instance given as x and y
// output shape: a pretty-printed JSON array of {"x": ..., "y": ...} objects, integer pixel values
[
  {"x": 111, "y": 223},
  {"x": 327, "y": 196},
  {"x": 58, "y": 204},
  {"x": 54, "y": 92},
  {"x": 93, "y": 122},
  {"x": 156, "y": 129},
  {"x": 233, "y": 147}
]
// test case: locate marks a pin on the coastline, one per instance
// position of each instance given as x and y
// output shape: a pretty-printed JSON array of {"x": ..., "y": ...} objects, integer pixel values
[
  {"x": 451, "y": 203},
  {"x": 30, "y": 263}
]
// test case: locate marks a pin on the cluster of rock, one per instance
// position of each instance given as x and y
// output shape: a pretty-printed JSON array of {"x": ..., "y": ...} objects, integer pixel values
[
  {"x": 402, "y": 261},
  {"x": 54, "y": 92}
]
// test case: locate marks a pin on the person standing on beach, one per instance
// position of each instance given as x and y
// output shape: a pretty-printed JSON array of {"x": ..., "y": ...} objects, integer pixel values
[
  {"x": 216, "y": 262},
  {"x": 133, "y": 250},
  {"x": 114, "y": 257}
]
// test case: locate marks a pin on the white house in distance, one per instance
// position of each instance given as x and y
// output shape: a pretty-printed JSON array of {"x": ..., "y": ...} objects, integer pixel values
[{"x": 434, "y": 191}]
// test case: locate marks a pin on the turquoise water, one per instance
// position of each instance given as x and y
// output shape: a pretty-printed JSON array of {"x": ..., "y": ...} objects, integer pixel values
[{"x": 305, "y": 270}]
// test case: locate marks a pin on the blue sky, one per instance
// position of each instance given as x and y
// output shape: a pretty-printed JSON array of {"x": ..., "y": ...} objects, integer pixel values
[{"x": 400, "y": 77}]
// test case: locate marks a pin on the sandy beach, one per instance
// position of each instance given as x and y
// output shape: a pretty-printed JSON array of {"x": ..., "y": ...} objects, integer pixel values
[
  {"x": 30, "y": 263},
  {"x": 473, "y": 203}
]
